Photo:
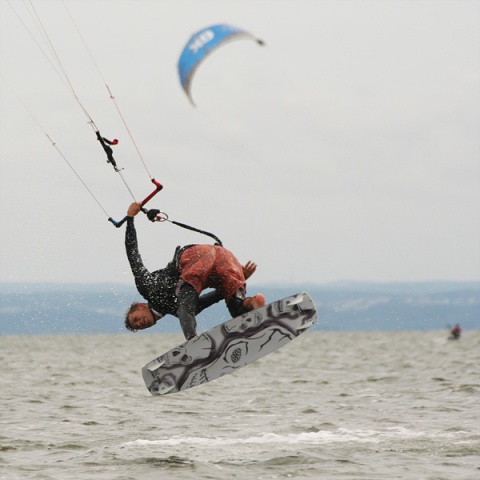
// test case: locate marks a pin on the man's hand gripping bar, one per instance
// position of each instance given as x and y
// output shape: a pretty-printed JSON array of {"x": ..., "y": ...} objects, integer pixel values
[{"x": 158, "y": 186}]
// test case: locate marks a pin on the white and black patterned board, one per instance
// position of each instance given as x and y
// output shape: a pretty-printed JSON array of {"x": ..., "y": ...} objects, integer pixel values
[{"x": 230, "y": 346}]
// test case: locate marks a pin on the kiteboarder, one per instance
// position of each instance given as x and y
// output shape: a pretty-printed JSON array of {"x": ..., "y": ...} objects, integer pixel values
[
  {"x": 176, "y": 289},
  {"x": 455, "y": 332}
]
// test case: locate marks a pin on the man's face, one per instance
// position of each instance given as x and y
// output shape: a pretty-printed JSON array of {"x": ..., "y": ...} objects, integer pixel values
[{"x": 141, "y": 318}]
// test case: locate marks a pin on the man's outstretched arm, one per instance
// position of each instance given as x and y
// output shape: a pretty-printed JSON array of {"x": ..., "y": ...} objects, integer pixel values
[{"x": 131, "y": 243}]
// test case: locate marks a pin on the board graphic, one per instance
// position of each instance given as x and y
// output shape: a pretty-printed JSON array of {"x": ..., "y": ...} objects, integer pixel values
[{"x": 230, "y": 346}]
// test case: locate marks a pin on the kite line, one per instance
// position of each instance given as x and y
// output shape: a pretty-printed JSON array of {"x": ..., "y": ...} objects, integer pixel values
[
  {"x": 106, "y": 144},
  {"x": 200, "y": 45}
]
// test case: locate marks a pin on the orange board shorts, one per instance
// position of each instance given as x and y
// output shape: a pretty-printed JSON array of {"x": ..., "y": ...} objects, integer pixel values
[{"x": 212, "y": 266}]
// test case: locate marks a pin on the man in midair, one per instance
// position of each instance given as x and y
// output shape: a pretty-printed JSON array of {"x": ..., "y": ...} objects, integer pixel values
[{"x": 176, "y": 289}]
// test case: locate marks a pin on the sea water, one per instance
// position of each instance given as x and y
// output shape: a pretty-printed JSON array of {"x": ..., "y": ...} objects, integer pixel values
[{"x": 396, "y": 405}]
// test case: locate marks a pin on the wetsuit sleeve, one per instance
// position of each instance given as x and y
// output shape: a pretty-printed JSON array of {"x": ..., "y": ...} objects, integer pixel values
[
  {"x": 208, "y": 299},
  {"x": 131, "y": 246}
]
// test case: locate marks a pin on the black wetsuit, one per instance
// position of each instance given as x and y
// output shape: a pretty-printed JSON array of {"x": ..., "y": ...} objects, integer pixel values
[{"x": 161, "y": 288}]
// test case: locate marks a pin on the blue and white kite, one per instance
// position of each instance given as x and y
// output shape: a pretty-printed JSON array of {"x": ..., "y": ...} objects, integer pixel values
[{"x": 201, "y": 44}]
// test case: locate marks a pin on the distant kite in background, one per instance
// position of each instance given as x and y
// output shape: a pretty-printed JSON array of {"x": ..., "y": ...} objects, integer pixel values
[{"x": 201, "y": 44}]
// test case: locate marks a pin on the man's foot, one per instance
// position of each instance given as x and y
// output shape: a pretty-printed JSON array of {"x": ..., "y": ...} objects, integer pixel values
[{"x": 252, "y": 303}]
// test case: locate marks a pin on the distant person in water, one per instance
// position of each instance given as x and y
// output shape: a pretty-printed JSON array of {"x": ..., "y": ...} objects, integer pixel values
[
  {"x": 176, "y": 289},
  {"x": 455, "y": 332}
]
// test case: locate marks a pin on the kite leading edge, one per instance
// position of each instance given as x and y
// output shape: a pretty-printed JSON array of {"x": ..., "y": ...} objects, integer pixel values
[{"x": 201, "y": 44}]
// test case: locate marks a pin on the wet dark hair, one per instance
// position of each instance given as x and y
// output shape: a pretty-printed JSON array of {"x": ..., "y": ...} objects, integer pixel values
[{"x": 133, "y": 308}]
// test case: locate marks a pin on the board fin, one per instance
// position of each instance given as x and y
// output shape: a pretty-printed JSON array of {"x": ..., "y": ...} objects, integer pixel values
[
  {"x": 152, "y": 368},
  {"x": 162, "y": 390},
  {"x": 296, "y": 300},
  {"x": 306, "y": 325}
]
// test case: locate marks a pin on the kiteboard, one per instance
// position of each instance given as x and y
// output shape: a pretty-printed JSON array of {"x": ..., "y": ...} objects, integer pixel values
[{"x": 230, "y": 346}]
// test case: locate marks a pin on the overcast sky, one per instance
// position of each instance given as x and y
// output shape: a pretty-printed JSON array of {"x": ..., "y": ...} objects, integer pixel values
[{"x": 347, "y": 148}]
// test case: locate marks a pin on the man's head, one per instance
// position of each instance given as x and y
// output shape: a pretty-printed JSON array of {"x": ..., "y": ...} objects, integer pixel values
[{"x": 139, "y": 317}]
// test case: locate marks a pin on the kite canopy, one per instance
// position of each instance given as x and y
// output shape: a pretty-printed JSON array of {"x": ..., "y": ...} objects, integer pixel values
[{"x": 201, "y": 44}]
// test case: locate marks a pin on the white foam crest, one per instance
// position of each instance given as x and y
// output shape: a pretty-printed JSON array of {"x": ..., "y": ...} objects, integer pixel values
[{"x": 341, "y": 435}]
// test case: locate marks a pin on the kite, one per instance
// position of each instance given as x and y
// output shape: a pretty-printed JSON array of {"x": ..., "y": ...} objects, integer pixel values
[{"x": 201, "y": 44}]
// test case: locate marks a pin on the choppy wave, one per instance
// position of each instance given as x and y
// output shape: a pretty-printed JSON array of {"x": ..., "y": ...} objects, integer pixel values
[
  {"x": 314, "y": 438},
  {"x": 266, "y": 438}
]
